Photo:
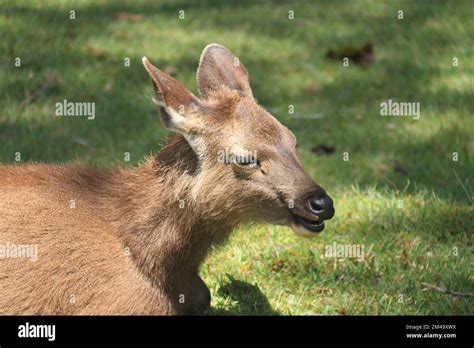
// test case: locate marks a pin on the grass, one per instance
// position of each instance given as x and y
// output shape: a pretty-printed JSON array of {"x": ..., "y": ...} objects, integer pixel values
[{"x": 416, "y": 224}]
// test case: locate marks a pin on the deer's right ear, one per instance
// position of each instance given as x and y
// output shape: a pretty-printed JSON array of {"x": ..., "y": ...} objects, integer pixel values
[
  {"x": 220, "y": 67},
  {"x": 172, "y": 96}
]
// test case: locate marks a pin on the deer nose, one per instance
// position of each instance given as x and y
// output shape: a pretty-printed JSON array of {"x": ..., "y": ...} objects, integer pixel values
[{"x": 321, "y": 205}]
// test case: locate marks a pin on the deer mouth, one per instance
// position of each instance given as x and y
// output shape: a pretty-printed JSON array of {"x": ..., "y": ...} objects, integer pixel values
[{"x": 306, "y": 227}]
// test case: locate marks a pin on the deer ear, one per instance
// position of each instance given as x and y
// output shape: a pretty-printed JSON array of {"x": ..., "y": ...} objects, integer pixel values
[
  {"x": 174, "y": 99},
  {"x": 219, "y": 67}
]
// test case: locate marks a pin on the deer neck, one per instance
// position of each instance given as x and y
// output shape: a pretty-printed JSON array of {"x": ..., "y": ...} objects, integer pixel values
[{"x": 166, "y": 223}]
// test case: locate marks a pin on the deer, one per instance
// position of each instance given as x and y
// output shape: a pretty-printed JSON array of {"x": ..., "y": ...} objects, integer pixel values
[{"x": 130, "y": 240}]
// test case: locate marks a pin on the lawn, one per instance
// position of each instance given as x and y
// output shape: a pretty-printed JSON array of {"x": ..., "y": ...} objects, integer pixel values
[{"x": 402, "y": 187}]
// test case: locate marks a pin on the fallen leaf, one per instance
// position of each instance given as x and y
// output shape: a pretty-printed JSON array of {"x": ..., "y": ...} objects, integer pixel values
[
  {"x": 322, "y": 150},
  {"x": 96, "y": 51},
  {"x": 361, "y": 55},
  {"x": 128, "y": 17},
  {"x": 397, "y": 167},
  {"x": 342, "y": 311},
  {"x": 311, "y": 88},
  {"x": 278, "y": 265}
]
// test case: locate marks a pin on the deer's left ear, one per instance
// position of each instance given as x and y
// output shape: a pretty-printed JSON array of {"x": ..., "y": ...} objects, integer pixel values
[
  {"x": 220, "y": 67},
  {"x": 175, "y": 100}
]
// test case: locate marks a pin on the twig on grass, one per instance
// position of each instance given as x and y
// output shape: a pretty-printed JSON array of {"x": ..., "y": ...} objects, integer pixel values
[
  {"x": 34, "y": 95},
  {"x": 446, "y": 291}
]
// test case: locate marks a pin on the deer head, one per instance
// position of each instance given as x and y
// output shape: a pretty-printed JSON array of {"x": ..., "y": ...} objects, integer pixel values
[{"x": 248, "y": 165}]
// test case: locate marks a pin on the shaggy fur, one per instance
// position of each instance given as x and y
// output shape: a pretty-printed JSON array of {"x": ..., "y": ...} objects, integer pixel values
[
  {"x": 120, "y": 250},
  {"x": 130, "y": 241}
]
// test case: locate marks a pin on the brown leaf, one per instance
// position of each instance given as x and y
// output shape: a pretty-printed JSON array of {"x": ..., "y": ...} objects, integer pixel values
[
  {"x": 96, "y": 51},
  {"x": 311, "y": 88},
  {"x": 399, "y": 168},
  {"x": 322, "y": 149},
  {"x": 363, "y": 55},
  {"x": 342, "y": 311},
  {"x": 277, "y": 266},
  {"x": 128, "y": 17}
]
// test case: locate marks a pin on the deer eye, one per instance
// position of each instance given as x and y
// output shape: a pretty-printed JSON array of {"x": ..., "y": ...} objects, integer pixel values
[{"x": 246, "y": 161}]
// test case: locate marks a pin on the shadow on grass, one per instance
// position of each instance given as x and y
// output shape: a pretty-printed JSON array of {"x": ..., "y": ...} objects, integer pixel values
[
  {"x": 248, "y": 299},
  {"x": 399, "y": 75}
]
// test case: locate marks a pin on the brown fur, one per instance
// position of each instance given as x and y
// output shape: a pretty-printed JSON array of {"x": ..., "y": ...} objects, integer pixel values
[
  {"x": 114, "y": 209},
  {"x": 127, "y": 246}
]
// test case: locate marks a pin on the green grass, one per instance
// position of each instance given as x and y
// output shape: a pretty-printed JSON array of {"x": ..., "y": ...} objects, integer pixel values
[{"x": 266, "y": 269}]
